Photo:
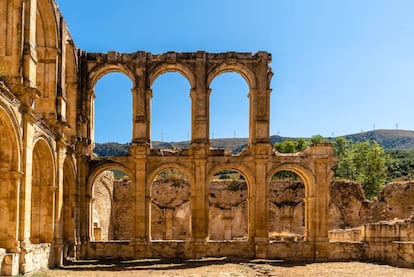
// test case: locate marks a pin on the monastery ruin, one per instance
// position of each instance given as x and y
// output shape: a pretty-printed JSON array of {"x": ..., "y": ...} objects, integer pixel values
[{"x": 52, "y": 186}]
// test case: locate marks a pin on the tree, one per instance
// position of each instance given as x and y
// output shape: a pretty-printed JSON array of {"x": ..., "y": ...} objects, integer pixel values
[
  {"x": 291, "y": 146},
  {"x": 364, "y": 162}
]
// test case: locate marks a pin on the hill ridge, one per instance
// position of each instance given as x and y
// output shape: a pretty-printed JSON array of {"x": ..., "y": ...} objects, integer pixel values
[{"x": 390, "y": 139}]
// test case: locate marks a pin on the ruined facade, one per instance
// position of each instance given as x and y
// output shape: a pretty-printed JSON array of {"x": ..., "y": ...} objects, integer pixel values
[{"x": 48, "y": 169}]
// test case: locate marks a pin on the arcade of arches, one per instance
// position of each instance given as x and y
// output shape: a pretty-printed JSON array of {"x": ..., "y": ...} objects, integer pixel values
[{"x": 59, "y": 201}]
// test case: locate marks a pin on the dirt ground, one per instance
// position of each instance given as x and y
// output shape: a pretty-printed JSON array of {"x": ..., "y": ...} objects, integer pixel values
[{"x": 224, "y": 267}]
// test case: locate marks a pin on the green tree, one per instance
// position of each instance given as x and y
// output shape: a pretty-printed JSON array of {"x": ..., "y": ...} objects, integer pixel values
[
  {"x": 291, "y": 146},
  {"x": 364, "y": 162},
  {"x": 317, "y": 139}
]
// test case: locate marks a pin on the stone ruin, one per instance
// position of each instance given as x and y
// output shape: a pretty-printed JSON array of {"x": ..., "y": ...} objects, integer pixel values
[{"x": 49, "y": 182}]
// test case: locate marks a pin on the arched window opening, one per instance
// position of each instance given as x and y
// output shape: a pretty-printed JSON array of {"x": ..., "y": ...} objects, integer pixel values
[
  {"x": 170, "y": 206},
  {"x": 43, "y": 193},
  {"x": 171, "y": 111},
  {"x": 47, "y": 52},
  {"x": 228, "y": 206},
  {"x": 112, "y": 206},
  {"x": 70, "y": 207},
  {"x": 229, "y": 107},
  {"x": 9, "y": 160},
  {"x": 286, "y": 207},
  {"x": 113, "y": 112}
]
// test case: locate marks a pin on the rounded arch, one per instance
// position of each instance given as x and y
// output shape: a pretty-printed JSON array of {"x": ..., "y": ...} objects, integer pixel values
[
  {"x": 187, "y": 172},
  {"x": 43, "y": 192},
  {"x": 176, "y": 67},
  {"x": 243, "y": 70},
  {"x": 69, "y": 199},
  {"x": 305, "y": 174},
  {"x": 101, "y": 70},
  {"x": 244, "y": 170},
  {"x": 10, "y": 143},
  {"x": 98, "y": 169},
  {"x": 47, "y": 24},
  {"x": 11, "y": 138}
]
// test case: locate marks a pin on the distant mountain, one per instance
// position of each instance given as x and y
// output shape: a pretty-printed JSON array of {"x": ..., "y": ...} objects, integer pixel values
[{"x": 389, "y": 139}]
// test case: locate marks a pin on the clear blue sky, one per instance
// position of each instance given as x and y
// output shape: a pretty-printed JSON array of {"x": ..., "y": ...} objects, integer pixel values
[{"x": 340, "y": 66}]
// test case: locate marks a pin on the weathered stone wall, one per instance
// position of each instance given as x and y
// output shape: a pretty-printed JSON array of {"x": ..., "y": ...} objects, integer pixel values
[
  {"x": 228, "y": 214},
  {"x": 170, "y": 209},
  {"x": 286, "y": 209},
  {"x": 122, "y": 210},
  {"x": 102, "y": 206}
]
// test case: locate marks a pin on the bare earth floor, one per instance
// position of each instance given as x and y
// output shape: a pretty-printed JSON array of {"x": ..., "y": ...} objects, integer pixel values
[{"x": 224, "y": 267}]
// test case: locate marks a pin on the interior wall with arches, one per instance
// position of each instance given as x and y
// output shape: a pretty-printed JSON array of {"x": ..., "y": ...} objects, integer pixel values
[{"x": 43, "y": 194}]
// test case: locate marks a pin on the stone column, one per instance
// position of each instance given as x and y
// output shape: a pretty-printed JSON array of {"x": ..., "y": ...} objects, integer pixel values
[
  {"x": 29, "y": 42},
  {"x": 141, "y": 116},
  {"x": 200, "y": 100},
  {"x": 199, "y": 210},
  {"x": 259, "y": 224},
  {"x": 25, "y": 207},
  {"x": 58, "y": 232},
  {"x": 84, "y": 199},
  {"x": 10, "y": 183},
  {"x": 260, "y": 101},
  {"x": 142, "y": 202}
]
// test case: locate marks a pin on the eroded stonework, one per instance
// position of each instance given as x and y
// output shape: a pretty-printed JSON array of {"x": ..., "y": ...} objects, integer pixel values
[{"x": 48, "y": 170}]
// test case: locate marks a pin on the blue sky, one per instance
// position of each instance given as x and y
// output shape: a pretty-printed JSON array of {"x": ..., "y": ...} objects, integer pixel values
[{"x": 339, "y": 66}]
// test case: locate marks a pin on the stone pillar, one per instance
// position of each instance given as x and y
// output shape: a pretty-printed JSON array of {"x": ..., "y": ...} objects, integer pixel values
[
  {"x": 84, "y": 199},
  {"x": 200, "y": 109},
  {"x": 142, "y": 202},
  {"x": 10, "y": 183},
  {"x": 58, "y": 232},
  {"x": 199, "y": 203},
  {"x": 168, "y": 224},
  {"x": 26, "y": 190},
  {"x": 259, "y": 224},
  {"x": 317, "y": 201},
  {"x": 228, "y": 220},
  {"x": 29, "y": 42},
  {"x": 260, "y": 101},
  {"x": 141, "y": 115}
]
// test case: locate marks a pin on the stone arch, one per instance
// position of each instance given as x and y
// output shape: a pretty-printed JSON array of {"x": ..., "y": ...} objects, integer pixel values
[
  {"x": 244, "y": 170},
  {"x": 104, "y": 166},
  {"x": 170, "y": 189},
  {"x": 43, "y": 193},
  {"x": 71, "y": 79},
  {"x": 109, "y": 229},
  {"x": 100, "y": 70},
  {"x": 304, "y": 173},
  {"x": 174, "y": 67},
  {"x": 70, "y": 201},
  {"x": 237, "y": 67},
  {"x": 309, "y": 182},
  {"x": 229, "y": 204},
  {"x": 47, "y": 51},
  {"x": 187, "y": 172},
  {"x": 9, "y": 179},
  {"x": 46, "y": 23}
]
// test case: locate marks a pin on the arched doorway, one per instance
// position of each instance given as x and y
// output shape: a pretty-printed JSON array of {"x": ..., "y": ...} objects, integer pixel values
[
  {"x": 71, "y": 211},
  {"x": 9, "y": 182},
  {"x": 170, "y": 206},
  {"x": 112, "y": 206},
  {"x": 43, "y": 194},
  {"x": 286, "y": 206},
  {"x": 228, "y": 206}
]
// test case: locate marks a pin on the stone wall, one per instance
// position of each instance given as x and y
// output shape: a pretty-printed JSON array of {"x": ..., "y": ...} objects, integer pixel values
[
  {"x": 122, "y": 210},
  {"x": 228, "y": 213}
]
